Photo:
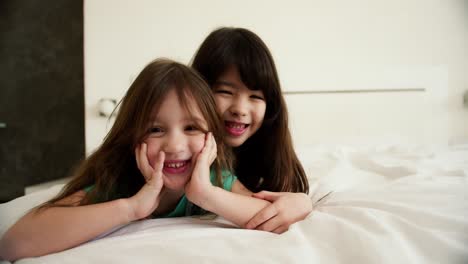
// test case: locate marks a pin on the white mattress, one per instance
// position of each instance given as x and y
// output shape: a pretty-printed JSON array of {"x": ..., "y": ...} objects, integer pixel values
[{"x": 388, "y": 205}]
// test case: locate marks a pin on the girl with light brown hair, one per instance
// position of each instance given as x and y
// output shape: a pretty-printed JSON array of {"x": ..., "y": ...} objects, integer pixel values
[{"x": 164, "y": 156}]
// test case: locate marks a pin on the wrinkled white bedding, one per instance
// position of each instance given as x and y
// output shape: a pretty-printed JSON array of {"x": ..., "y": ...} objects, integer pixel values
[{"x": 388, "y": 205}]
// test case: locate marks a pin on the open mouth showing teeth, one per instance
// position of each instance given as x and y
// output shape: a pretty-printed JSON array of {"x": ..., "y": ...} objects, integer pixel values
[
  {"x": 235, "y": 129},
  {"x": 175, "y": 164},
  {"x": 176, "y": 167},
  {"x": 234, "y": 125}
]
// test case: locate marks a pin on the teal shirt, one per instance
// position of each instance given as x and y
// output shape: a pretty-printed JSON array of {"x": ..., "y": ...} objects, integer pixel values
[{"x": 185, "y": 207}]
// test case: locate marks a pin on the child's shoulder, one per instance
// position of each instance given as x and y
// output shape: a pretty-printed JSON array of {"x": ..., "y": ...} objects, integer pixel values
[
  {"x": 89, "y": 188},
  {"x": 227, "y": 176}
]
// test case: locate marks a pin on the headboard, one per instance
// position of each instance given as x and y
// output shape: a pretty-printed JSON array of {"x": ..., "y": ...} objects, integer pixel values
[{"x": 369, "y": 105}]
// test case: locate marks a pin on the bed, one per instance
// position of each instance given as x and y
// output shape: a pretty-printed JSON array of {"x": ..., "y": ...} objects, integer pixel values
[{"x": 388, "y": 204}]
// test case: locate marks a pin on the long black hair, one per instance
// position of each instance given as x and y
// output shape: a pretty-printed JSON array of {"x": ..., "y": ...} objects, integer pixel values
[{"x": 266, "y": 161}]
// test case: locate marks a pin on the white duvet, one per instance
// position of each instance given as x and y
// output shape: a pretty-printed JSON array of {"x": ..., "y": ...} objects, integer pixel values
[{"x": 388, "y": 205}]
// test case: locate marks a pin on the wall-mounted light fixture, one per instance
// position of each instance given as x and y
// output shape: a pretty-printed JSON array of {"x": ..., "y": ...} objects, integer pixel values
[{"x": 106, "y": 106}]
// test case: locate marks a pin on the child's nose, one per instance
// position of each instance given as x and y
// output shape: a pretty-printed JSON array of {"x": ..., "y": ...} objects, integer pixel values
[
  {"x": 175, "y": 143},
  {"x": 239, "y": 107}
]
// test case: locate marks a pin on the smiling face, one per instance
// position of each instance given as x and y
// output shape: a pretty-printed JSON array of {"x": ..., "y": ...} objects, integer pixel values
[
  {"x": 179, "y": 135},
  {"x": 242, "y": 109}
]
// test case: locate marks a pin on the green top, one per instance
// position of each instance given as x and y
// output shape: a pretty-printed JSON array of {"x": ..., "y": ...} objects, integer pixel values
[{"x": 185, "y": 207}]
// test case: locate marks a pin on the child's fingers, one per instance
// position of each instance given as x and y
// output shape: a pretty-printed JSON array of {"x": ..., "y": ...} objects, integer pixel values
[
  {"x": 156, "y": 180},
  {"x": 261, "y": 217},
  {"x": 156, "y": 176},
  {"x": 144, "y": 166},
  {"x": 158, "y": 166},
  {"x": 204, "y": 151},
  {"x": 214, "y": 148},
  {"x": 195, "y": 157},
  {"x": 271, "y": 225},
  {"x": 144, "y": 161},
  {"x": 280, "y": 230},
  {"x": 137, "y": 156},
  {"x": 209, "y": 151},
  {"x": 266, "y": 195},
  {"x": 208, "y": 143}
]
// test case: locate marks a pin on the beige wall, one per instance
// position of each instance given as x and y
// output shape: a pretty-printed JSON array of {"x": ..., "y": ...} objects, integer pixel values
[{"x": 318, "y": 45}]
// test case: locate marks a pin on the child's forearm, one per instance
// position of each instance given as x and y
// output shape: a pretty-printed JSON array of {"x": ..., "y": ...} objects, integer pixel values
[
  {"x": 236, "y": 208},
  {"x": 58, "y": 228}
]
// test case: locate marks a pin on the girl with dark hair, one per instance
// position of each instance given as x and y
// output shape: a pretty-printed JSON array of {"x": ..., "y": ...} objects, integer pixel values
[
  {"x": 241, "y": 72},
  {"x": 154, "y": 162}
]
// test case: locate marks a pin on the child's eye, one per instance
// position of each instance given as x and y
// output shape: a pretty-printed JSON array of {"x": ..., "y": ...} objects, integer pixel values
[
  {"x": 194, "y": 129},
  {"x": 222, "y": 91},
  {"x": 257, "y": 97},
  {"x": 155, "y": 130},
  {"x": 191, "y": 128}
]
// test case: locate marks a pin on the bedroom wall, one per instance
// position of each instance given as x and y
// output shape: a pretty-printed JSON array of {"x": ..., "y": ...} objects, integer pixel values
[{"x": 318, "y": 46}]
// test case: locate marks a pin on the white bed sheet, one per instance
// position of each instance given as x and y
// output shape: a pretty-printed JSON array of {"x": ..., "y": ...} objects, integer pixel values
[{"x": 388, "y": 205}]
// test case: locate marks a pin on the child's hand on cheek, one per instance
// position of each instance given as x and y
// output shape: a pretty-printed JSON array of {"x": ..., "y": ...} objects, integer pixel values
[
  {"x": 147, "y": 199},
  {"x": 199, "y": 185}
]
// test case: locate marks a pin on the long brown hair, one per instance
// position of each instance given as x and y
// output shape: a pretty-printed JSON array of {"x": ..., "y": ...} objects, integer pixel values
[
  {"x": 266, "y": 161},
  {"x": 112, "y": 168}
]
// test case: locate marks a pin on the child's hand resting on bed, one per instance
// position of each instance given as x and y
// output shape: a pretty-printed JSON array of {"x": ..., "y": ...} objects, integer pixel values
[
  {"x": 278, "y": 216},
  {"x": 197, "y": 189},
  {"x": 147, "y": 199}
]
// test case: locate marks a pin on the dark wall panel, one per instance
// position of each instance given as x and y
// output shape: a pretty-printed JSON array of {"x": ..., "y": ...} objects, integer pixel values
[{"x": 41, "y": 91}]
